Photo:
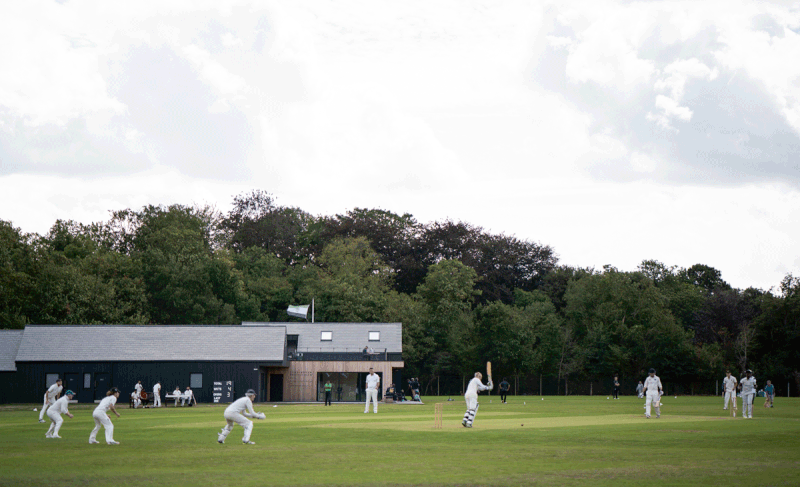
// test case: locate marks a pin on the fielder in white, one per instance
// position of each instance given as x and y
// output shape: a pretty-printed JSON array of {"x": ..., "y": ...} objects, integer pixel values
[
  {"x": 238, "y": 412},
  {"x": 729, "y": 386},
  {"x": 471, "y": 397},
  {"x": 373, "y": 383},
  {"x": 100, "y": 415},
  {"x": 137, "y": 399},
  {"x": 653, "y": 390},
  {"x": 157, "y": 395},
  {"x": 50, "y": 397},
  {"x": 748, "y": 387},
  {"x": 55, "y": 411}
]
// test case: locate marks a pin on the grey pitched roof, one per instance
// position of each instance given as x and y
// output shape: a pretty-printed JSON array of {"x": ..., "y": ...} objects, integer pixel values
[
  {"x": 346, "y": 336},
  {"x": 143, "y": 343},
  {"x": 9, "y": 344}
]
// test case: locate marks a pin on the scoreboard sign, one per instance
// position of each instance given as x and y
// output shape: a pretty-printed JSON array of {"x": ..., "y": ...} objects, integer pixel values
[{"x": 223, "y": 391}]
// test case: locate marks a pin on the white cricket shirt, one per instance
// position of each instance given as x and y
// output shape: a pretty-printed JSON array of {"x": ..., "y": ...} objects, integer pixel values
[
  {"x": 241, "y": 405},
  {"x": 106, "y": 404},
  {"x": 652, "y": 384},
  {"x": 475, "y": 385},
  {"x": 373, "y": 381},
  {"x": 749, "y": 385},
  {"x": 157, "y": 389},
  {"x": 729, "y": 384},
  {"x": 60, "y": 406},
  {"x": 53, "y": 391}
]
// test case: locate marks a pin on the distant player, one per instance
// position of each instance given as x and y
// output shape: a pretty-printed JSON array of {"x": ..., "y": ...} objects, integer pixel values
[
  {"x": 471, "y": 397},
  {"x": 50, "y": 397},
  {"x": 328, "y": 391},
  {"x": 55, "y": 411},
  {"x": 748, "y": 387},
  {"x": 373, "y": 383},
  {"x": 504, "y": 386},
  {"x": 238, "y": 412},
  {"x": 640, "y": 390},
  {"x": 729, "y": 386},
  {"x": 138, "y": 398},
  {"x": 100, "y": 415},
  {"x": 616, "y": 387},
  {"x": 653, "y": 390},
  {"x": 157, "y": 395}
]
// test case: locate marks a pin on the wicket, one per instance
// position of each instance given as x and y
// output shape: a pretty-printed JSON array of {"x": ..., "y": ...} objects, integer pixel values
[{"x": 437, "y": 415}]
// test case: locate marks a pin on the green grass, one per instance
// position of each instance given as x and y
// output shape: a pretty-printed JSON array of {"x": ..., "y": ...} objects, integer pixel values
[{"x": 558, "y": 441}]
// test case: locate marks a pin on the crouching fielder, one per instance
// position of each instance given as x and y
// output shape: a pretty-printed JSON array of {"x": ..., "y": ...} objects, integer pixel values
[
  {"x": 55, "y": 411},
  {"x": 653, "y": 390},
  {"x": 471, "y": 397},
  {"x": 100, "y": 415},
  {"x": 238, "y": 412}
]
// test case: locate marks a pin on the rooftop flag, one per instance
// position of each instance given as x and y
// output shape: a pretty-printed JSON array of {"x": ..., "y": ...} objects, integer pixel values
[{"x": 298, "y": 311}]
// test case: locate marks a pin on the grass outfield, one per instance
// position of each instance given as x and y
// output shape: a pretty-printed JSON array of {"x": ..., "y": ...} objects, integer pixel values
[{"x": 558, "y": 441}]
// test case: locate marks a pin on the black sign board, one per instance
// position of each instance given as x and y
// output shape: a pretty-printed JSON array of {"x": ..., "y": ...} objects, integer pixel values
[{"x": 223, "y": 391}]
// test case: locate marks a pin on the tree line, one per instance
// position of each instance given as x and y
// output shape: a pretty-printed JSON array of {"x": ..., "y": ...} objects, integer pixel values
[{"x": 464, "y": 295}]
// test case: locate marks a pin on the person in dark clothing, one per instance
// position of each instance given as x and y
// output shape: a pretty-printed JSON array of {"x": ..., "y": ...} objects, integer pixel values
[
  {"x": 339, "y": 393},
  {"x": 504, "y": 386},
  {"x": 616, "y": 387}
]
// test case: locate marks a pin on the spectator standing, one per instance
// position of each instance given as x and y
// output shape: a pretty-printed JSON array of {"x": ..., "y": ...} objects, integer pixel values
[
  {"x": 328, "y": 390},
  {"x": 616, "y": 387},
  {"x": 339, "y": 393}
]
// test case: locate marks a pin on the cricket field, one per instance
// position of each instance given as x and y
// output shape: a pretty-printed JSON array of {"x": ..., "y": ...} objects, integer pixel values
[{"x": 529, "y": 441}]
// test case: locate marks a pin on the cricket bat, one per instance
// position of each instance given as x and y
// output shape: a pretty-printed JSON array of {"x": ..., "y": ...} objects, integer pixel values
[{"x": 489, "y": 370}]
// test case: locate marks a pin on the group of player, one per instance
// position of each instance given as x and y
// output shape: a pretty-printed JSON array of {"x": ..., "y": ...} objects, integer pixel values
[
  {"x": 54, "y": 406},
  {"x": 241, "y": 411},
  {"x": 748, "y": 387}
]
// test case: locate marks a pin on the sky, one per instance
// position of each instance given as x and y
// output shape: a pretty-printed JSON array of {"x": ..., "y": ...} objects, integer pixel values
[{"x": 613, "y": 131}]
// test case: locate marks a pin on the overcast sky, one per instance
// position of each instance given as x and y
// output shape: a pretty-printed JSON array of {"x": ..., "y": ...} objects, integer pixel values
[{"x": 612, "y": 131}]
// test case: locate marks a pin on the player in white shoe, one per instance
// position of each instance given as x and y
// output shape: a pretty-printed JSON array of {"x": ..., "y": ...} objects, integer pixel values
[
  {"x": 748, "y": 387},
  {"x": 653, "y": 390},
  {"x": 238, "y": 412},
  {"x": 372, "y": 385},
  {"x": 100, "y": 415},
  {"x": 55, "y": 411},
  {"x": 471, "y": 398},
  {"x": 729, "y": 386},
  {"x": 50, "y": 397}
]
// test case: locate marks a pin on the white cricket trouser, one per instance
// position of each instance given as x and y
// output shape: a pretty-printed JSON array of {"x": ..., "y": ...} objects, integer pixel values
[
  {"x": 183, "y": 400},
  {"x": 652, "y": 399},
  {"x": 47, "y": 404},
  {"x": 472, "y": 408},
  {"x": 102, "y": 419},
  {"x": 55, "y": 424},
  {"x": 747, "y": 404},
  {"x": 156, "y": 400},
  {"x": 373, "y": 395},
  {"x": 730, "y": 398},
  {"x": 239, "y": 419}
]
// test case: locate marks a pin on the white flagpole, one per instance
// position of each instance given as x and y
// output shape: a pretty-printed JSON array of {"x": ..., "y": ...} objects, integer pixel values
[{"x": 312, "y": 310}]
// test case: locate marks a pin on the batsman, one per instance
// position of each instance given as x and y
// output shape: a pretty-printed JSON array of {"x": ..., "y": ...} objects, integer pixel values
[{"x": 471, "y": 397}]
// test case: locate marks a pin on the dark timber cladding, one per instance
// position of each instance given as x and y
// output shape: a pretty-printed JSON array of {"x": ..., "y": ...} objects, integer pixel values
[{"x": 91, "y": 359}]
